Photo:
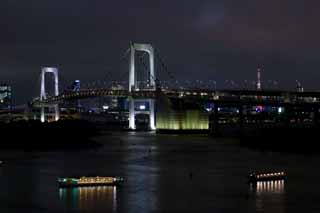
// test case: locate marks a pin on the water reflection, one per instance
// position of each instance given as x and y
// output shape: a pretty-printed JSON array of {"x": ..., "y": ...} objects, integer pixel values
[
  {"x": 141, "y": 172},
  {"x": 262, "y": 187},
  {"x": 90, "y": 198},
  {"x": 269, "y": 195}
]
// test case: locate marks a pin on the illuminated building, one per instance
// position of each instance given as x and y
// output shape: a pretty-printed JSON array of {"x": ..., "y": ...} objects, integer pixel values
[
  {"x": 175, "y": 114},
  {"x": 5, "y": 97}
]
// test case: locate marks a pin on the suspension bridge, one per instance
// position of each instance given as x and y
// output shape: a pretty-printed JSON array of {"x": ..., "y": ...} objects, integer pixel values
[{"x": 154, "y": 93}]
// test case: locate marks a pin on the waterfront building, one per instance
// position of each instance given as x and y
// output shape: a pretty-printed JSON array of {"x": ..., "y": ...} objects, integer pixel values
[{"x": 5, "y": 97}]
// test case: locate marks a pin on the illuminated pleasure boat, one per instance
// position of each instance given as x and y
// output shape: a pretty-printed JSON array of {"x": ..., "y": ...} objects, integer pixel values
[
  {"x": 256, "y": 177},
  {"x": 89, "y": 181}
]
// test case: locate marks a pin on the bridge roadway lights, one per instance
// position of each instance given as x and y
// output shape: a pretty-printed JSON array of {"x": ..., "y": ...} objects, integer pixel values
[{"x": 132, "y": 114}]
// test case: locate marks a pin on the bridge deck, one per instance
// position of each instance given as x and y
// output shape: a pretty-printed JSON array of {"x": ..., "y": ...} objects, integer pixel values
[{"x": 224, "y": 97}]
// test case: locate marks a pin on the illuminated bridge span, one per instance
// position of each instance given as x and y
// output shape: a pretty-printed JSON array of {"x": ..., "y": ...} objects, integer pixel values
[
  {"x": 154, "y": 95},
  {"x": 251, "y": 97}
]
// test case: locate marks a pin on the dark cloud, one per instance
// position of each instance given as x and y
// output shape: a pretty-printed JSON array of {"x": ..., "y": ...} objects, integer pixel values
[{"x": 218, "y": 39}]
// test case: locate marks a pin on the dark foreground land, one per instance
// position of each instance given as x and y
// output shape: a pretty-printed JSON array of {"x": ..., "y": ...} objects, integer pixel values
[{"x": 34, "y": 135}]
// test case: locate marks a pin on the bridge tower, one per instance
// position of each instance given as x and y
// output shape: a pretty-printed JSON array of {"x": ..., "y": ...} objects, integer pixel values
[
  {"x": 133, "y": 85},
  {"x": 43, "y": 95}
]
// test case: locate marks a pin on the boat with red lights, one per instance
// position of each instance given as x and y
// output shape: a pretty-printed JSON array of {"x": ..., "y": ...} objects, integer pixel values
[
  {"x": 268, "y": 176},
  {"x": 89, "y": 181}
]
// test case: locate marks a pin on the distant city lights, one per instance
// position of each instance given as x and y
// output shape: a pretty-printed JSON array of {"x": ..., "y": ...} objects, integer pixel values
[{"x": 259, "y": 109}]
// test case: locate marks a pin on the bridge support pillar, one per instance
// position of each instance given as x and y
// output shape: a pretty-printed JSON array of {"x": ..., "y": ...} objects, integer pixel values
[
  {"x": 56, "y": 112},
  {"x": 132, "y": 123},
  {"x": 132, "y": 113},
  {"x": 152, "y": 115},
  {"x": 42, "y": 116}
]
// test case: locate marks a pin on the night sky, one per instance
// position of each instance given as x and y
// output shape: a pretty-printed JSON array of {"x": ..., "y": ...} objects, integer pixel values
[{"x": 210, "y": 39}]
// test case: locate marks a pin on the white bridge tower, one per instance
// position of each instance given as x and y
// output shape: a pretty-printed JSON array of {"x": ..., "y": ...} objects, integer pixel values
[
  {"x": 43, "y": 95},
  {"x": 133, "y": 85}
]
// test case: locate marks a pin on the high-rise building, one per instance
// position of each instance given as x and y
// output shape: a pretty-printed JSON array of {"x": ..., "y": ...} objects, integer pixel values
[{"x": 5, "y": 97}]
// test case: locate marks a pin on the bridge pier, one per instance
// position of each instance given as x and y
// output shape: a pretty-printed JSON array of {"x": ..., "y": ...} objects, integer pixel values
[
  {"x": 152, "y": 118},
  {"x": 56, "y": 113},
  {"x": 42, "y": 115},
  {"x": 132, "y": 123},
  {"x": 132, "y": 114}
]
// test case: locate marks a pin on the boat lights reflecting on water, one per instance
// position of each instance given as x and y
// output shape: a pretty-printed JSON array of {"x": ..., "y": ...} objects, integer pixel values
[
  {"x": 269, "y": 196},
  {"x": 276, "y": 186},
  {"x": 90, "y": 198}
]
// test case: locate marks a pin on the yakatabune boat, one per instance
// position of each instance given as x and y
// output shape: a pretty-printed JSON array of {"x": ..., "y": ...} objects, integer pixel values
[
  {"x": 255, "y": 177},
  {"x": 89, "y": 181}
]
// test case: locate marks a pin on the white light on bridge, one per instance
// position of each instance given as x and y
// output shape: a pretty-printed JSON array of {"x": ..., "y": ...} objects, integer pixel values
[
  {"x": 209, "y": 109},
  {"x": 280, "y": 110},
  {"x": 142, "y": 107},
  {"x": 105, "y": 107}
]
